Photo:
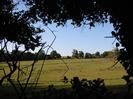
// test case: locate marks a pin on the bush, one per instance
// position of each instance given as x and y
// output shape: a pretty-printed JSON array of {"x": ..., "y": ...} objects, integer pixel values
[{"x": 80, "y": 89}]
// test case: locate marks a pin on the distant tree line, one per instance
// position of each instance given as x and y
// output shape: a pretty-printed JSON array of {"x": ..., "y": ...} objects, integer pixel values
[
  {"x": 29, "y": 55},
  {"x": 106, "y": 54},
  {"x": 55, "y": 55}
]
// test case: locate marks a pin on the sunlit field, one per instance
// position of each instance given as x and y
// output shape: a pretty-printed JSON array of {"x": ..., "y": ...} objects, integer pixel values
[{"x": 54, "y": 70}]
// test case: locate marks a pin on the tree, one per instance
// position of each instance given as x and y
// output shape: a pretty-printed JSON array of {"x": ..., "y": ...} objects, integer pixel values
[
  {"x": 41, "y": 55},
  {"x": 55, "y": 55},
  {"x": 111, "y": 54},
  {"x": 108, "y": 54},
  {"x": 18, "y": 24},
  {"x": 75, "y": 53},
  {"x": 116, "y": 52},
  {"x": 58, "y": 55},
  {"x": 88, "y": 55},
  {"x": 28, "y": 56},
  {"x": 1, "y": 55},
  {"x": 81, "y": 54},
  {"x": 97, "y": 54},
  {"x": 105, "y": 54},
  {"x": 17, "y": 28}
]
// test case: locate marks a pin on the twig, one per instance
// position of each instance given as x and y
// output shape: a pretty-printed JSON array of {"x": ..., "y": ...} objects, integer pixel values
[
  {"x": 46, "y": 54},
  {"x": 33, "y": 64},
  {"x": 113, "y": 65}
]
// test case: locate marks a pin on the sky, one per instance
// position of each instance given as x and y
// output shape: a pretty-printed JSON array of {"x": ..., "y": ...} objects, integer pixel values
[{"x": 81, "y": 38}]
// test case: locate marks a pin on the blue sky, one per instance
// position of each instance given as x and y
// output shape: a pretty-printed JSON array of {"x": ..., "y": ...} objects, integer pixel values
[{"x": 82, "y": 38}]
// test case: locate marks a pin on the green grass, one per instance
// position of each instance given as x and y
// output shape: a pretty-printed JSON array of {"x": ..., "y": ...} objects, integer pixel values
[{"x": 53, "y": 71}]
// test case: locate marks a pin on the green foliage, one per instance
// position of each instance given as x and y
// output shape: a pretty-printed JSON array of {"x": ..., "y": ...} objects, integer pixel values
[
  {"x": 97, "y": 54},
  {"x": 108, "y": 54},
  {"x": 80, "y": 89},
  {"x": 41, "y": 55},
  {"x": 111, "y": 54},
  {"x": 17, "y": 27},
  {"x": 92, "y": 89},
  {"x": 81, "y": 54},
  {"x": 55, "y": 55},
  {"x": 75, "y": 53},
  {"x": 88, "y": 55},
  {"x": 28, "y": 55},
  {"x": 2, "y": 55}
]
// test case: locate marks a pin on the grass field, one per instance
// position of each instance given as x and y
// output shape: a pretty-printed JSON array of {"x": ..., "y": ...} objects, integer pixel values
[{"x": 54, "y": 70}]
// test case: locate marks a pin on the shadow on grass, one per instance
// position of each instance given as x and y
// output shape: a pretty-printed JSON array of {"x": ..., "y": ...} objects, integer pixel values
[{"x": 79, "y": 89}]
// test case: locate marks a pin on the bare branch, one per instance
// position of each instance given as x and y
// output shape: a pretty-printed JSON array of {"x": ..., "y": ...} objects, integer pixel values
[{"x": 49, "y": 46}]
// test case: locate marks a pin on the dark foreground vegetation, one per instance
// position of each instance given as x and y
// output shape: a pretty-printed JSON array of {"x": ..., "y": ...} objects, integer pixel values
[{"x": 80, "y": 89}]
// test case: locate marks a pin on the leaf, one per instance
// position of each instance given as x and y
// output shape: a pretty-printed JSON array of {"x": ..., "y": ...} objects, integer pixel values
[{"x": 117, "y": 44}]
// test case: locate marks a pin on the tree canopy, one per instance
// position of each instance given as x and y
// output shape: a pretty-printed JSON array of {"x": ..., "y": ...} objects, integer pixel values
[
  {"x": 16, "y": 26},
  {"x": 55, "y": 55}
]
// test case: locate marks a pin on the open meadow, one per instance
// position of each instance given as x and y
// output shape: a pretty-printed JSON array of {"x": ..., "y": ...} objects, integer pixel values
[{"x": 54, "y": 70}]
